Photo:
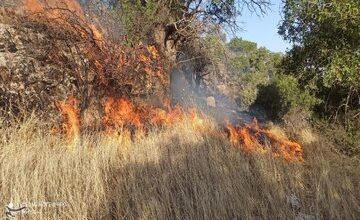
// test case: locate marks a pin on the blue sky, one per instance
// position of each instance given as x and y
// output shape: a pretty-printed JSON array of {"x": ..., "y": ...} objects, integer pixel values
[{"x": 263, "y": 30}]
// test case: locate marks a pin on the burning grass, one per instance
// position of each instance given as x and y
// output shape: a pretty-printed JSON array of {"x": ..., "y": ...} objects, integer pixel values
[
  {"x": 256, "y": 139},
  {"x": 124, "y": 118},
  {"x": 164, "y": 163},
  {"x": 172, "y": 173}
]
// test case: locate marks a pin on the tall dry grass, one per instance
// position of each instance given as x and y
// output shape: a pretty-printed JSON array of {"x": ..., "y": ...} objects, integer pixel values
[{"x": 178, "y": 173}]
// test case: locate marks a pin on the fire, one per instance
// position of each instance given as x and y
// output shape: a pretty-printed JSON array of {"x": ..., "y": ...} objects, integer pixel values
[
  {"x": 33, "y": 6},
  {"x": 113, "y": 63},
  {"x": 53, "y": 8},
  {"x": 71, "y": 117},
  {"x": 63, "y": 13},
  {"x": 123, "y": 114},
  {"x": 252, "y": 138},
  {"x": 126, "y": 120}
]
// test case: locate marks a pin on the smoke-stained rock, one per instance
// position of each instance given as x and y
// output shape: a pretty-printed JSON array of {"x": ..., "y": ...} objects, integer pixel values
[
  {"x": 36, "y": 66},
  {"x": 43, "y": 62}
]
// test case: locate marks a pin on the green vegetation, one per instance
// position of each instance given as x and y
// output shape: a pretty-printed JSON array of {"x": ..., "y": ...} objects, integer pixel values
[
  {"x": 250, "y": 68},
  {"x": 326, "y": 61},
  {"x": 319, "y": 77},
  {"x": 282, "y": 95},
  {"x": 326, "y": 55},
  {"x": 132, "y": 11}
]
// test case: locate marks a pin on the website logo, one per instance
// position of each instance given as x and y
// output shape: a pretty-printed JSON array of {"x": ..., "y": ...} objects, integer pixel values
[{"x": 11, "y": 211}]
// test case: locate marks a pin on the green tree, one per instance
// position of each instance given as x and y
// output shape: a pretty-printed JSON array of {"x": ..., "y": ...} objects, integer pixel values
[
  {"x": 239, "y": 45},
  {"x": 282, "y": 94},
  {"x": 250, "y": 67},
  {"x": 326, "y": 53},
  {"x": 183, "y": 20}
]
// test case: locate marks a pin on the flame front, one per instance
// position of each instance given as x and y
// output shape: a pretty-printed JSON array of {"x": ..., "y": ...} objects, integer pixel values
[
  {"x": 125, "y": 119},
  {"x": 120, "y": 114},
  {"x": 252, "y": 138},
  {"x": 59, "y": 12}
]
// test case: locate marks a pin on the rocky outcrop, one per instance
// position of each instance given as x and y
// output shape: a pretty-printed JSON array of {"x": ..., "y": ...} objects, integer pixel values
[
  {"x": 42, "y": 63},
  {"x": 37, "y": 66}
]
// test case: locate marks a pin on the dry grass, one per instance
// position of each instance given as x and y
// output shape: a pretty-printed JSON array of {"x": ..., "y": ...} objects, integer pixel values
[{"x": 179, "y": 173}]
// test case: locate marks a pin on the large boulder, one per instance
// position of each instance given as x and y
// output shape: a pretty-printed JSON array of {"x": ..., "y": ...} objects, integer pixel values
[
  {"x": 42, "y": 63},
  {"x": 37, "y": 66}
]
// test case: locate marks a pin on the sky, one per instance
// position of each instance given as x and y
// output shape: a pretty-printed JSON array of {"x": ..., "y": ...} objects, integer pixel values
[{"x": 263, "y": 30}]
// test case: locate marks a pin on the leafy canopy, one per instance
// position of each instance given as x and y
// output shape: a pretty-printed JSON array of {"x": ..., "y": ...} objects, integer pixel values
[{"x": 326, "y": 52}]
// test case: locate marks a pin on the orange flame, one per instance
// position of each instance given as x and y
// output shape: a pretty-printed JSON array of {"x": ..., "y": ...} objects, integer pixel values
[
  {"x": 54, "y": 8},
  {"x": 71, "y": 117},
  {"x": 252, "y": 138},
  {"x": 121, "y": 116},
  {"x": 121, "y": 113},
  {"x": 103, "y": 55},
  {"x": 58, "y": 12}
]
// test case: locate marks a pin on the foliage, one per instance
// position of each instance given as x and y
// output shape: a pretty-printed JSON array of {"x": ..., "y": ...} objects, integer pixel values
[
  {"x": 247, "y": 96},
  {"x": 215, "y": 46},
  {"x": 238, "y": 45},
  {"x": 133, "y": 13},
  {"x": 282, "y": 95},
  {"x": 326, "y": 52},
  {"x": 250, "y": 67},
  {"x": 180, "y": 16},
  {"x": 347, "y": 139}
]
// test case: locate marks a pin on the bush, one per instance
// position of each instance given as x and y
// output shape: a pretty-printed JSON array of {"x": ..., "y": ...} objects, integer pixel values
[
  {"x": 247, "y": 96},
  {"x": 137, "y": 18},
  {"x": 282, "y": 94},
  {"x": 346, "y": 138},
  {"x": 327, "y": 52}
]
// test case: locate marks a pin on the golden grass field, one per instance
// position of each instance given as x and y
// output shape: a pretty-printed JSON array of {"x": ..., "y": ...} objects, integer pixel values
[{"x": 176, "y": 173}]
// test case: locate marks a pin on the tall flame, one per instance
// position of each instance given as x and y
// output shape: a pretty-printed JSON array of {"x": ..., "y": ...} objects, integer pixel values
[
  {"x": 71, "y": 117},
  {"x": 120, "y": 112}
]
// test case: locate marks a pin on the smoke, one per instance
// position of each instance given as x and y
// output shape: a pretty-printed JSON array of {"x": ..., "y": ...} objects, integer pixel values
[
  {"x": 106, "y": 15},
  {"x": 188, "y": 90}
]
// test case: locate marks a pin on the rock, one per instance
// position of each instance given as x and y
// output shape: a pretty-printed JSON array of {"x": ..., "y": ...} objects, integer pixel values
[
  {"x": 29, "y": 78},
  {"x": 210, "y": 101},
  {"x": 302, "y": 216},
  {"x": 91, "y": 116},
  {"x": 42, "y": 63},
  {"x": 4, "y": 73},
  {"x": 294, "y": 201}
]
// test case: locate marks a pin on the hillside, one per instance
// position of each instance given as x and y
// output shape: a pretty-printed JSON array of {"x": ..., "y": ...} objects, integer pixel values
[{"x": 142, "y": 110}]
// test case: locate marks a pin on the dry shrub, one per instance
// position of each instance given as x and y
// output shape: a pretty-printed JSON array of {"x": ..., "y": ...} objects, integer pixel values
[{"x": 178, "y": 173}]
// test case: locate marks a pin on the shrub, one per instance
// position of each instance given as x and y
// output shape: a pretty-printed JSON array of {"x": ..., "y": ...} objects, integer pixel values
[
  {"x": 347, "y": 138},
  {"x": 327, "y": 52},
  {"x": 133, "y": 18},
  {"x": 282, "y": 94},
  {"x": 248, "y": 96}
]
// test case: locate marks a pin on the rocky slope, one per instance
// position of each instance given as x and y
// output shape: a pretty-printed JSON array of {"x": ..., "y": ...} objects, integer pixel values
[
  {"x": 42, "y": 63},
  {"x": 36, "y": 67}
]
